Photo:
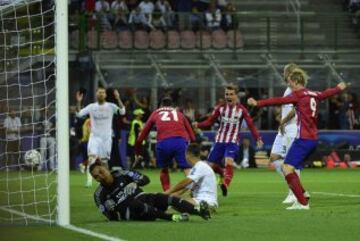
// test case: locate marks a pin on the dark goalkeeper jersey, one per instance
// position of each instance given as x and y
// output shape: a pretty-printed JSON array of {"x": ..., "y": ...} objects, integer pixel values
[{"x": 113, "y": 200}]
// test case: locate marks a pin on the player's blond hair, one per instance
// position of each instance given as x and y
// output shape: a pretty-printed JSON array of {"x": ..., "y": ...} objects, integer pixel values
[
  {"x": 300, "y": 76},
  {"x": 288, "y": 69}
]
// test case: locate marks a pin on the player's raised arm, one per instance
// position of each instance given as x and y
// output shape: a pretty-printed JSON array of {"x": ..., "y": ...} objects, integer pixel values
[
  {"x": 210, "y": 120},
  {"x": 332, "y": 91},
  {"x": 138, "y": 178},
  {"x": 121, "y": 108},
  {"x": 291, "y": 99}
]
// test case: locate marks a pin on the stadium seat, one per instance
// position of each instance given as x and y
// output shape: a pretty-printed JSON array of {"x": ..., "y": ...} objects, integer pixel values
[
  {"x": 125, "y": 40},
  {"x": 141, "y": 39},
  {"x": 92, "y": 38},
  {"x": 74, "y": 39},
  {"x": 108, "y": 40},
  {"x": 173, "y": 39},
  {"x": 157, "y": 39},
  {"x": 219, "y": 39},
  {"x": 187, "y": 39},
  {"x": 203, "y": 40},
  {"x": 231, "y": 35}
]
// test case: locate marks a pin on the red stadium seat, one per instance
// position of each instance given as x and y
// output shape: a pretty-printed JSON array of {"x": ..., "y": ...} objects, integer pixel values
[
  {"x": 125, "y": 40},
  {"x": 173, "y": 39},
  {"x": 187, "y": 39},
  {"x": 234, "y": 39},
  {"x": 74, "y": 39},
  {"x": 141, "y": 39},
  {"x": 92, "y": 38},
  {"x": 219, "y": 40},
  {"x": 203, "y": 39},
  {"x": 108, "y": 40},
  {"x": 157, "y": 39}
]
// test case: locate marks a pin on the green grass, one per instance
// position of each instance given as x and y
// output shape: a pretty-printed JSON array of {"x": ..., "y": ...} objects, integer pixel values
[{"x": 252, "y": 211}]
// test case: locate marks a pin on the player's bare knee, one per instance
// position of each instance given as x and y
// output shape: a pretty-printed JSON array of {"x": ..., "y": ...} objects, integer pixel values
[
  {"x": 274, "y": 157},
  {"x": 229, "y": 161},
  {"x": 287, "y": 169}
]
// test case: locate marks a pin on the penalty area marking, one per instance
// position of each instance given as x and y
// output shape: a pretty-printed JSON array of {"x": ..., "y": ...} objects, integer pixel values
[{"x": 69, "y": 227}]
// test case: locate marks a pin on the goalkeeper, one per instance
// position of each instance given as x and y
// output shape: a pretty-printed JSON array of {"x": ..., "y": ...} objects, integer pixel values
[{"x": 119, "y": 197}]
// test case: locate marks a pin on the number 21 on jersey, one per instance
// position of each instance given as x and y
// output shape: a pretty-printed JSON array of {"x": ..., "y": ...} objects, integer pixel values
[{"x": 166, "y": 115}]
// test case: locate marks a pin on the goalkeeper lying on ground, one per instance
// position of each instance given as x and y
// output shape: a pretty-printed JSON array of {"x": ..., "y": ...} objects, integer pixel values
[{"x": 119, "y": 197}]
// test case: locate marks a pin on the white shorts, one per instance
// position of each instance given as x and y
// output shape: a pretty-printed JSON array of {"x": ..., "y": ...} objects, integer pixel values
[
  {"x": 282, "y": 144},
  {"x": 99, "y": 147}
]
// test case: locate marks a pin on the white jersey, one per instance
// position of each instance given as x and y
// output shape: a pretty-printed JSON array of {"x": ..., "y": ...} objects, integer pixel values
[
  {"x": 290, "y": 128},
  {"x": 204, "y": 183},
  {"x": 101, "y": 117}
]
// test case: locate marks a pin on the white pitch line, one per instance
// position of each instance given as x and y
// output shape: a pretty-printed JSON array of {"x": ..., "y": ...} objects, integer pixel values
[
  {"x": 91, "y": 233},
  {"x": 70, "y": 227},
  {"x": 336, "y": 194}
]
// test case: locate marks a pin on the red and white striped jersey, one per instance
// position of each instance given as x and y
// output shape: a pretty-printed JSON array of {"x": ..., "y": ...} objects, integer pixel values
[{"x": 230, "y": 123}]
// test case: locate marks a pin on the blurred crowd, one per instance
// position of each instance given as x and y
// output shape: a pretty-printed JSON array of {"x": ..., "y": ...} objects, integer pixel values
[
  {"x": 353, "y": 7},
  {"x": 123, "y": 15}
]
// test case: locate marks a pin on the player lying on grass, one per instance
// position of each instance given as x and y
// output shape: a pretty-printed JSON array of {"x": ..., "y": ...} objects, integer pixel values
[
  {"x": 307, "y": 107},
  {"x": 119, "y": 197},
  {"x": 201, "y": 180}
]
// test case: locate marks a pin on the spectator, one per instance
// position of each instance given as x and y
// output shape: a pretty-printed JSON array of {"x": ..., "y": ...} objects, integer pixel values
[
  {"x": 147, "y": 7},
  {"x": 246, "y": 158},
  {"x": 132, "y": 4},
  {"x": 137, "y": 20},
  {"x": 203, "y": 5},
  {"x": 103, "y": 14},
  {"x": 166, "y": 11},
  {"x": 189, "y": 110},
  {"x": 230, "y": 20},
  {"x": 183, "y": 8},
  {"x": 158, "y": 21},
  {"x": 119, "y": 4},
  {"x": 121, "y": 22},
  {"x": 222, "y": 4},
  {"x": 334, "y": 112},
  {"x": 343, "y": 112},
  {"x": 12, "y": 125},
  {"x": 353, "y": 111},
  {"x": 213, "y": 17},
  {"x": 196, "y": 19},
  {"x": 47, "y": 142}
]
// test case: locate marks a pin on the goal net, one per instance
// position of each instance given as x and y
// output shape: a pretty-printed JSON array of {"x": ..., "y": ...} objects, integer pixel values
[{"x": 28, "y": 157}]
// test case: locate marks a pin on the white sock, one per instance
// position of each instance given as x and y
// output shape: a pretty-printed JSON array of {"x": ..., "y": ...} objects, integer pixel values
[
  {"x": 88, "y": 176},
  {"x": 278, "y": 167}
]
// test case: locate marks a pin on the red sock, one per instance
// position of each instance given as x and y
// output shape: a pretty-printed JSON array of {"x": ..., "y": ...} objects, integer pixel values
[
  {"x": 218, "y": 169},
  {"x": 295, "y": 185},
  {"x": 165, "y": 179},
  {"x": 228, "y": 174}
]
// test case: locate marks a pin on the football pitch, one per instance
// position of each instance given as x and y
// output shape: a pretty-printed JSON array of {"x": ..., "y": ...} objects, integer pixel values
[{"x": 252, "y": 211}]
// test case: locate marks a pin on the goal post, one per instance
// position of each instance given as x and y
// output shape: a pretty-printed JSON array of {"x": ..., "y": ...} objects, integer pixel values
[
  {"x": 62, "y": 102},
  {"x": 34, "y": 112}
]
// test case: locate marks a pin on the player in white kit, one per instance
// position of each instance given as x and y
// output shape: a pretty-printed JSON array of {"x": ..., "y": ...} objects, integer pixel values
[
  {"x": 201, "y": 180},
  {"x": 286, "y": 135},
  {"x": 101, "y": 117}
]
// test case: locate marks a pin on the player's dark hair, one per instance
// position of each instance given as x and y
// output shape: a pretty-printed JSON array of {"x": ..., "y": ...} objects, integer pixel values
[
  {"x": 194, "y": 149},
  {"x": 95, "y": 164},
  {"x": 232, "y": 87},
  {"x": 166, "y": 101}
]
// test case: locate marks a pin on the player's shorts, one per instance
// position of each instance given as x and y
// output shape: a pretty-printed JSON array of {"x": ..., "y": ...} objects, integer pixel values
[
  {"x": 299, "y": 151},
  {"x": 282, "y": 144},
  {"x": 169, "y": 149},
  {"x": 221, "y": 150},
  {"x": 99, "y": 147}
]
